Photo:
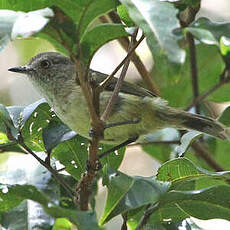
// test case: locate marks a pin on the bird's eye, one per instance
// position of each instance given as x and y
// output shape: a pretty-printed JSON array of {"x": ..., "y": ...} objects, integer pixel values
[{"x": 45, "y": 64}]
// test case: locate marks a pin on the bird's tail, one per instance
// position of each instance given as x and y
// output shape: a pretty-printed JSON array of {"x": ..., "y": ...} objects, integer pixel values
[{"x": 197, "y": 122}]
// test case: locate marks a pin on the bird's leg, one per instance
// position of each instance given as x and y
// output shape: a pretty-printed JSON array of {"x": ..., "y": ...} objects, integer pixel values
[{"x": 129, "y": 141}]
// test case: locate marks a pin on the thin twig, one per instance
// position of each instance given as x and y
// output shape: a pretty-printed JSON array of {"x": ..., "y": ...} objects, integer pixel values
[
  {"x": 48, "y": 167},
  {"x": 107, "y": 80},
  {"x": 206, "y": 155},
  {"x": 124, "y": 225},
  {"x": 124, "y": 42},
  {"x": 205, "y": 94},
  {"x": 148, "y": 212},
  {"x": 193, "y": 69},
  {"x": 120, "y": 80}
]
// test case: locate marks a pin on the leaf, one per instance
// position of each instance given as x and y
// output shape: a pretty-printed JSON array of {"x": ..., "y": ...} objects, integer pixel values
[
  {"x": 126, "y": 193},
  {"x": 18, "y": 193},
  {"x": 7, "y": 122},
  {"x": 158, "y": 20},
  {"x": 55, "y": 133},
  {"x": 186, "y": 140},
  {"x": 31, "y": 22},
  {"x": 35, "y": 118},
  {"x": 28, "y": 213},
  {"x": 118, "y": 184},
  {"x": 209, "y": 32},
  {"x": 19, "y": 24},
  {"x": 124, "y": 15},
  {"x": 209, "y": 203},
  {"x": 225, "y": 117},
  {"x": 62, "y": 223},
  {"x": 115, "y": 158},
  {"x": 73, "y": 155},
  {"x": 159, "y": 152},
  {"x": 180, "y": 171},
  {"x": 25, "y": 5},
  {"x": 98, "y": 36}
]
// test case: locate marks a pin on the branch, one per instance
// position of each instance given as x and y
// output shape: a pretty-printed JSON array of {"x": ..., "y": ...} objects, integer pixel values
[
  {"x": 106, "y": 81},
  {"x": 71, "y": 192},
  {"x": 224, "y": 78},
  {"x": 193, "y": 68},
  {"x": 124, "y": 42},
  {"x": 206, "y": 156},
  {"x": 118, "y": 85},
  {"x": 124, "y": 225}
]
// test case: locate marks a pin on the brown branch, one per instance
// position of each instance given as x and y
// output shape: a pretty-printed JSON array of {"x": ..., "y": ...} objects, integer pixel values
[
  {"x": 206, "y": 156},
  {"x": 118, "y": 85},
  {"x": 124, "y": 225},
  {"x": 124, "y": 42},
  {"x": 193, "y": 69},
  {"x": 107, "y": 80}
]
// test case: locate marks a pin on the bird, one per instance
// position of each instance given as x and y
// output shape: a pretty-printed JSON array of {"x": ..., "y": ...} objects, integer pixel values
[{"x": 138, "y": 110}]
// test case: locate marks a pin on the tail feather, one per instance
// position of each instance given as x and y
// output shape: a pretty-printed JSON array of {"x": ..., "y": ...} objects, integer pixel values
[
  {"x": 205, "y": 125},
  {"x": 182, "y": 119}
]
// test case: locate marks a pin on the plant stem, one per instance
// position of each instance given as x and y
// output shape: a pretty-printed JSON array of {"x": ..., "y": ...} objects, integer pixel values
[
  {"x": 118, "y": 85},
  {"x": 124, "y": 42},
  {"x": 194, "y": 69}
]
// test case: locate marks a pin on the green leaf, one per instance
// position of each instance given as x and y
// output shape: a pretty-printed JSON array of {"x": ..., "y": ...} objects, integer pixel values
[
  {"x": 209, "y": 203},
  {"x": 181, "y": 172},
  {"x": 118, "y": 185},
  {"x": 158, "y": 20},
  {"x": 35, "y": 118},
  {"x": 159, "y": 152},
  {"x": 73, "y": 155},
  {"x": 115, "y": 158},
  {"x": 28, "y": 213},
  {"x": 209, "y": 32},
  {"x": 7, "y": 122},
  {"x": 55, "y": 133},
  {"x": 98, "y": 36},
  {"x": 186, "y": 141},
  {"x": 83, "y": 13},
  {"x": 18, "y": 193},
  {"x": 62, "y": 223},
  {"x": 224, "y": 45},
  {"x": 26, "y": 5},
  {"x": 225, "y": 117},
  {"x": 124, "y": 15}
]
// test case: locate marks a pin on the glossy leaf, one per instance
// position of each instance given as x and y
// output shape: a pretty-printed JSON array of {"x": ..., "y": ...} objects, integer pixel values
[
  {"x": 186, "y": 141},
  {"x": 134, "y": 197},
  {"x": 158, "y": 20},
  {"x": 73, "y": 154},
  {"x": 209, "y": 32},
  {"x": 118, "y": 184},
  {"x": 225, "y": 117},
  {"x": 209, "y": 203},
  {"x": 182, "y": 173},
  {"x": 98, "y": 36}
]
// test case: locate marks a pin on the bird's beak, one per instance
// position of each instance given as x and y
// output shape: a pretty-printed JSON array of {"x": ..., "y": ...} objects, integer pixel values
[{"x": 20, "y": 69}]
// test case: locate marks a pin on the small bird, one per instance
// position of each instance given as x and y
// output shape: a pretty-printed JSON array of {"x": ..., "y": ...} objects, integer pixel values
[{"x": 55, "y": 77}]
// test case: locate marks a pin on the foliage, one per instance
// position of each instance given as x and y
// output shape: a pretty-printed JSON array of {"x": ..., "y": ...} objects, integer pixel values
[{"x": 184, "y": 187}]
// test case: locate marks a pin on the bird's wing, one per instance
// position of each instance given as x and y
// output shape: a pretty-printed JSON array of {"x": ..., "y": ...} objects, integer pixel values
[{"x": 126, "y": 87}]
